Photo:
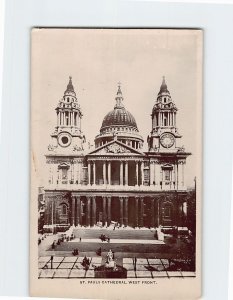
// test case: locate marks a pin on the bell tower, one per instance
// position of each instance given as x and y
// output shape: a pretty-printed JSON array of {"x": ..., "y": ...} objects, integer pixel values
[
  {"x": 68, "y": 130},
  {"x": 164, "y": 133},
  {"x": 167, "y": 159}
]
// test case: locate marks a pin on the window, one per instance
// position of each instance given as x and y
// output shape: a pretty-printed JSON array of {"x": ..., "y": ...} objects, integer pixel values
[
  {"x": 165, "y": 100},
  {"x": 64, "y": 173},
  {"x": 167, "y": 175},
  {"x": 64, "y": 209},
  {"x": 167, "y": 211}
]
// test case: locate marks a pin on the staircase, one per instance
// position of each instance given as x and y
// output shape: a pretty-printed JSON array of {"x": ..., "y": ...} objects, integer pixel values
[{"x": 89, "y": 233}]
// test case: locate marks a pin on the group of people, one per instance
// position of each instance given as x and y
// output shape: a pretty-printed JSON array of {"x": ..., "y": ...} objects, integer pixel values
[
  {"x": 75, "y": 252},
  {"x": 104, "y": 238},
  {"x": 40, "y": 239},
  {"x": 62, "y": 239}
]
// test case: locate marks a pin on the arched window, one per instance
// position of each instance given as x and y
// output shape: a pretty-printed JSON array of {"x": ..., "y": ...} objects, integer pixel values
[{"x": 64, "y": 209}]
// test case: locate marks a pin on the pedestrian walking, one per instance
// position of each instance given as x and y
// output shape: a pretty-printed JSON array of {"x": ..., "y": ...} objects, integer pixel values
[{"x": 51, "y": 261}]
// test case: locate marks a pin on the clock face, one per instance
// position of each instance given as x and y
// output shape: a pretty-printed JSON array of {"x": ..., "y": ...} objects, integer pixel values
[
  {"x": 64, "y": 139},
  {"x": 167, "y": 140}
]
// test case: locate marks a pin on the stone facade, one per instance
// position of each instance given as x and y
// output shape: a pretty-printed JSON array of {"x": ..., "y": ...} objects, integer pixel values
[{"x": 117, "y": 181}]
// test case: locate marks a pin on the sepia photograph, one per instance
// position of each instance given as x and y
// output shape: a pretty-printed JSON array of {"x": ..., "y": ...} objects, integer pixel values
[{"x": 116, "y": 160}]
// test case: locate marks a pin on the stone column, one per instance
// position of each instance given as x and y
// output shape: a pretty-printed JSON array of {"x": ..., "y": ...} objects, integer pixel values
[
  {"x": 104, "y": 172},
  {"x": 158, "y": 212},
  {"x": 109, "y": 172},
  {"x": 78, "y": 210},
  {"x": 152, "y": 212},
  {"x": 141, "y": 211},
  {"x": 136, "y": 172},
  {"x": 183, "y": 171},
  {"x": 121, "y": 210},
  {"x": 136, "y": 211},
  {"x": 104, "y": 210},
  {"x": 79, "y": 172},
  {"x": 142, "y": 172},
  {"x": 89, "y": 172},
  {"x": 151, "y": 173},
  {"x": 88, "y": 211},
  {"x": 179, "y": 175},
  {"x": 93, "y": 213},
  {"x": 109, "y": 210},
  {"x": 94, "y": 173},
  {"x": 126, "y": 173},
  {"x": 121, "y": 173},
  {"x": 72, "y": 210},
  {"x": 126, "y": 211},
  {"x": 157, "y": 173}
]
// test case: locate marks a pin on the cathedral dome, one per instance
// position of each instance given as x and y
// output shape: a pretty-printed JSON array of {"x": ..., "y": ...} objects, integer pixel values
[
  {"x": 120, "y": 122},
  {"x": 119, "y": 116}
]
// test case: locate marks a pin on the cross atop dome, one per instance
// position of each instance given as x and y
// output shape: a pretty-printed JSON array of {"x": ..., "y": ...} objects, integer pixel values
[
  {"x": 119, "y": 88},
  {"x": 119, "y": 98}
]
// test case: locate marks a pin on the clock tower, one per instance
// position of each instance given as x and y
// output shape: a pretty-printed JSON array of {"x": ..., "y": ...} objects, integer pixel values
[
  {"x": 167, "y": 159},
  {"x": 68, "y": 130},
  {"x": 164, "y": 133}
]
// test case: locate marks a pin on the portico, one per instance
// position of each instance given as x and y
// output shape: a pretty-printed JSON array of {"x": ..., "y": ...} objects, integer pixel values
[{"x": 112, "y": 170}]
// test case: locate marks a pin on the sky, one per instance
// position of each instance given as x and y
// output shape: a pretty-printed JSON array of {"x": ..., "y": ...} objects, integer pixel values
[{"x": 97, "y": 60}]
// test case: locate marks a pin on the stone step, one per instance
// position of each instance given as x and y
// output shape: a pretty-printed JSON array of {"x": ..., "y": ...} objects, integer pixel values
[{"x": 88, "y": 233}]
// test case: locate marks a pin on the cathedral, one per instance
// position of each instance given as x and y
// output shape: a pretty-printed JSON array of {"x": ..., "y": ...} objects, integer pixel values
[{"x": 116, "y": 181}]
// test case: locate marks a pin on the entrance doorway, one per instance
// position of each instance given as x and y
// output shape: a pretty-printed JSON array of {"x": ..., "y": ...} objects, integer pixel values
[{"x": 167, "y": 214}]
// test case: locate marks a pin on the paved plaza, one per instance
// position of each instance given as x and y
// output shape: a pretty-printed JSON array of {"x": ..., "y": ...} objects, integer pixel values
[
  {"x": 152, "y": 256},
  {"x": 71, "y": 267}
]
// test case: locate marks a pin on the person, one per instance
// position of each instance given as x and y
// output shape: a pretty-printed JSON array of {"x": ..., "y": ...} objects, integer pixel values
[
  {"x": 135, "y": 263},
  {"x": 99, "y": 251},
  {"x": 80, "y": 239},
  {"x": 51, "y": 261},
  {"x": 53, "y": 245}
]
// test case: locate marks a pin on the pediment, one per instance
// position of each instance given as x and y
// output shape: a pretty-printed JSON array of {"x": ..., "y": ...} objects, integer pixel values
[{"x": 115, "y": 148}]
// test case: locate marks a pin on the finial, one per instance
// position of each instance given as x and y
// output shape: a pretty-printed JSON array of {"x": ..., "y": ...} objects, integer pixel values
[
  {"x": 70, "y": 87},
  {"x": 119, "y": 97},
  {"x": 163, "y": 87},
  {"x": 119, "y": 88}
]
